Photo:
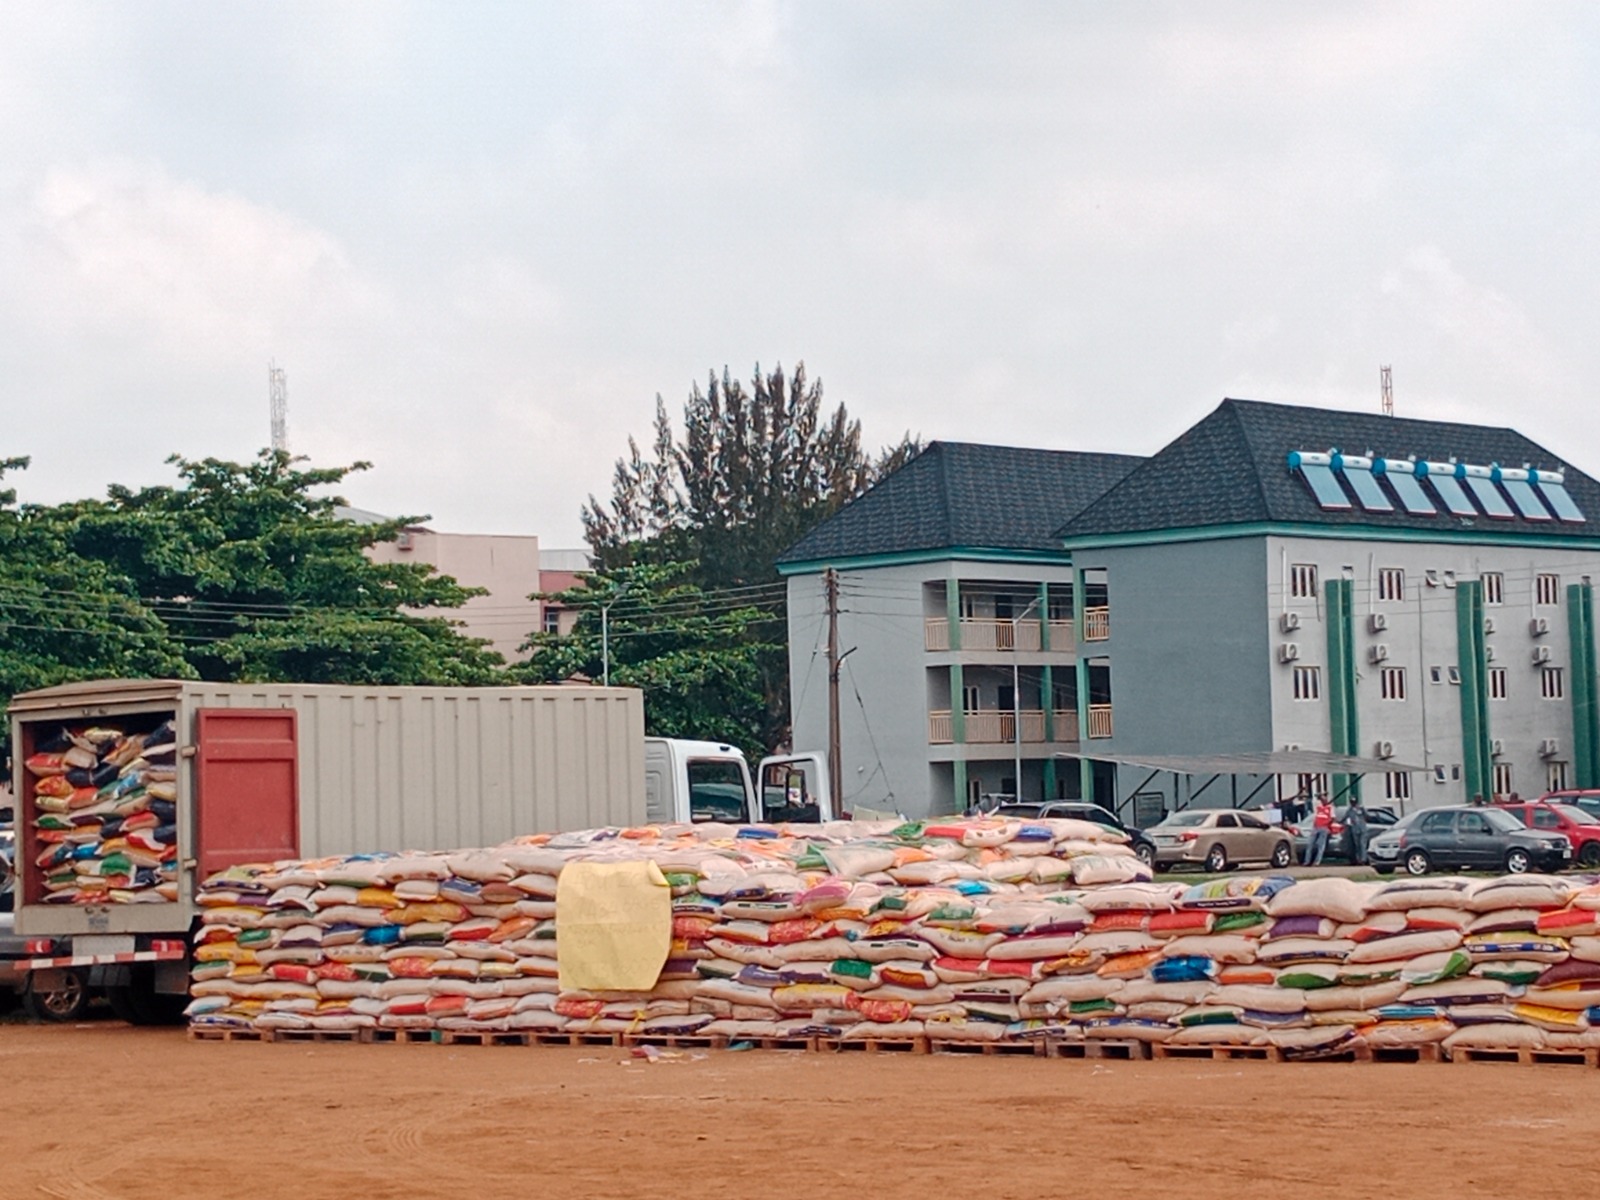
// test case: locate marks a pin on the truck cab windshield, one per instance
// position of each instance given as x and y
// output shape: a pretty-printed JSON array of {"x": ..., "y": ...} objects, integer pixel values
[{"x": 716, "y": 791}]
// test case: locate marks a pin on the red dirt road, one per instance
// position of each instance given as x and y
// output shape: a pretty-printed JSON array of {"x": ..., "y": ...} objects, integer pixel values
[{"x": 163, "y": 1118}]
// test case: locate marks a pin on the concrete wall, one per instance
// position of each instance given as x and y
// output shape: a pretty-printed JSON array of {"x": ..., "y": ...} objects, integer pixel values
[{"x": 507, "y": 565}]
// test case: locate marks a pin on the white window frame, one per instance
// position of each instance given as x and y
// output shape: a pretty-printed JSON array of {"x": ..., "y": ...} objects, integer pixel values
[
  {"x": 1303, "y": 581},
  {"x": 1441, "y": 773},
  {"x": 1555, "y": 776},
  {"x": 1552, "y": 683},
  {"x": 1392, "y": 683},
  {"x": 969, "y": 692},
  {"x": 1502, "y": 779},
  {"x": 1397, "y": 786},
  {"x": 1454, "y": 675},
  {"x": 1307, "y": 683},
  {"x": 1392, "y": 585},
  {"x": 1494, "y": 588},
  {"x": 1499, "y": 683},
  {"x": 1546, "y": 590}
]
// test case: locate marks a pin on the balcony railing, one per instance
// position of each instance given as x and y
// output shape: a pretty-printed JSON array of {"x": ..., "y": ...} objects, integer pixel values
[
  {"x": 1099, "y": 720},
  {"x": 990, "y": 633},
  {"x": 998, "y": 727},
  {"x": 1062, "y": 635},
  {"x": 1064, "y": 725},
  {"x": 1096, "y": 624}
]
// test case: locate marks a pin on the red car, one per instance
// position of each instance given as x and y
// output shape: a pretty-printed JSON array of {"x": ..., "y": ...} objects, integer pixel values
[{"x": 1582, "y": 828}]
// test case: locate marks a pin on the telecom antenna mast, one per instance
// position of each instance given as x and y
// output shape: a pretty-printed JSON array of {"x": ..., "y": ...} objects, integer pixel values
[
  {"x": 1386, "y": 383},
  {"x": 278, "y": 392}
]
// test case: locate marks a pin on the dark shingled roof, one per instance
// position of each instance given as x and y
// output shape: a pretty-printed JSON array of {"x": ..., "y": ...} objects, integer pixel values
[
  {"x": 957, "y": 494},
  {"x": 1231, "y": 468}
]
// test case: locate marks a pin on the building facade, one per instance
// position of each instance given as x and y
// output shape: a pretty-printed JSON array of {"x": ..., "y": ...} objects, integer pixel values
[{"x": 1277, "y": 577}]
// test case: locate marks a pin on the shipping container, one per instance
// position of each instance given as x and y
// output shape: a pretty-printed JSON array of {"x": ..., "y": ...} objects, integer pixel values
[{"x": 265, "y": 771}]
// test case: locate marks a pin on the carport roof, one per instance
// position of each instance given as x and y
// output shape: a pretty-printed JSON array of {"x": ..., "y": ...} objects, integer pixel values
[{"x": 1265, "y": 762}]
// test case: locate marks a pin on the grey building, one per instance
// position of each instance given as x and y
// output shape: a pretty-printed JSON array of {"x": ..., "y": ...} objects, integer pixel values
[
  {"x": 960, "y": 618},
  {"x": 1277, "y": 577}
]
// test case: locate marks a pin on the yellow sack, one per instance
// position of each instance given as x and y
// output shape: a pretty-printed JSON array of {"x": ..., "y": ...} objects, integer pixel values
[{"x": 614, "y": 923}]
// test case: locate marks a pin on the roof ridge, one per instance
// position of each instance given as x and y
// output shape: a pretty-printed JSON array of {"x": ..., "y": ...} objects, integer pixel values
[{"x": 1244, "y": 434}]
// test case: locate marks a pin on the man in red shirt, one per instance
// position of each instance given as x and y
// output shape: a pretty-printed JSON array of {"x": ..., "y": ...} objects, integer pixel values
[{"x": 1321, "y": 830}]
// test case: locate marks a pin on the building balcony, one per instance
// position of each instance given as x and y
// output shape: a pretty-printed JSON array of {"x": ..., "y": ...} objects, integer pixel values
[
  {"x": 1099, "y": 720},
  {"x": 1096, "y": 625},
  {"x": 994, "y": 633},
  {"x": 997, "y": 727}
]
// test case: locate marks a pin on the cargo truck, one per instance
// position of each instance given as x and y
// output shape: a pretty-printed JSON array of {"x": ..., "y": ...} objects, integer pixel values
[{"x": 128, "y": 793}]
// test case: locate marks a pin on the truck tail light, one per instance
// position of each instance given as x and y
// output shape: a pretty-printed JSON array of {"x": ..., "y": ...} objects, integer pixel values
[
  {"x": 40, "y": 946},
  {"x": 167, "y": 945}
]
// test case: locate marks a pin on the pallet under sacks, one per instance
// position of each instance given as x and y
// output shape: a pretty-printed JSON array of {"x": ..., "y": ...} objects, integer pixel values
[
  {"x": 981, "y": 932},
  {"x": 104, "y": 814}
]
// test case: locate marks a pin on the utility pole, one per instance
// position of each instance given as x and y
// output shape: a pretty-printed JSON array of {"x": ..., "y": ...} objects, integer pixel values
[{"x": 830, "y": 582}]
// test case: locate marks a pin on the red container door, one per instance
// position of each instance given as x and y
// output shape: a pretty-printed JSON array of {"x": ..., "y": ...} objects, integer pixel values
[{"x": 247, "y": 780}]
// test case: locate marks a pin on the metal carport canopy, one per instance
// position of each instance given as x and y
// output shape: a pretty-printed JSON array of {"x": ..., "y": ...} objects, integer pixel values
[{"x": 1265, "y": 762}]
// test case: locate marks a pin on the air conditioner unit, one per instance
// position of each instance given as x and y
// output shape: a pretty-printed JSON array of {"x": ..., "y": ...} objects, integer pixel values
[
  {"x": 1289, "y": 621},
  {"x": 1288, "y": 652},
  {"x": 1377, "y": 622},
  {"x": 1384, "y": 749},
  {"x": 1541, "y": 655},
  {"x": 402, "y": 541},
  {"x": 1378, "y": 653},
  {"x": 1292, "y": 747},
  {"x": 1497, "y": 748},
  {"x": 1539, "y": 626},
  {"x": 1488, "y": 624},
  {"x": 1549, "y": 747}
]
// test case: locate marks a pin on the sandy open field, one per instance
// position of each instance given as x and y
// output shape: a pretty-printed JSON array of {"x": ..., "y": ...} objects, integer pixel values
[{"x": 124, "y": 1114}]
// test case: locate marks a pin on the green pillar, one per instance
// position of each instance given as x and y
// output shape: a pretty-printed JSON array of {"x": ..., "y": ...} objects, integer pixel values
[
  {"x": 1050, "y": 777},
  {"x": 1476, "y": 752},
  {"x": 952, "y": 611},
  {"x": 1081, "y": 667},
  {"x": 959, "y": 772},
  {"x": 1044, "y": 616},
  {"x": 958, "y": 706},
  {"x": 1585, "y": 706},
  {"x": 1344, "y": 719}
]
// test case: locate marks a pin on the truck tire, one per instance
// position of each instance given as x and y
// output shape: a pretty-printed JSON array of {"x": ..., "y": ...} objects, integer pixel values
[
  {"x": 65, "y": 1003},
  {"x": 138, "y": 1002}
]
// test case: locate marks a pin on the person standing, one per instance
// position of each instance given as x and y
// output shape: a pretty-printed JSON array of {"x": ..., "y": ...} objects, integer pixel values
[
  {"x": 1355, "y": 831},
  {"x": 1321, "y": 829}
]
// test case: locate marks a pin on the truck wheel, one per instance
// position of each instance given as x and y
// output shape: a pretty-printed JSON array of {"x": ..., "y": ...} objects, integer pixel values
[
  {"x": 138, "y": 1002},
  {"x": 64, "y": 1003}
]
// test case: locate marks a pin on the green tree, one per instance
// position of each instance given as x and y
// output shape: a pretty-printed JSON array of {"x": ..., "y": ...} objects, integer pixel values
[
  {"x": 755, "y": 469},
  {"x": 256, "y": 577},
  {"x": 65, "y": 617},
  {"x": 698, "y": 659}
]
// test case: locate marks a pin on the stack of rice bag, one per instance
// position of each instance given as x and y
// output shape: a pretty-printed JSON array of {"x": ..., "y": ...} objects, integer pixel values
[
  {"x": 104, "y": 825},
  {"x": 982, "y": 930}
]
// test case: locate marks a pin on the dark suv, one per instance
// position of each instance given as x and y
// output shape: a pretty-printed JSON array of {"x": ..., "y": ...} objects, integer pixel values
[
  {"x": 1083, "y": 811},
  {"x": 1470, "y": 838}
]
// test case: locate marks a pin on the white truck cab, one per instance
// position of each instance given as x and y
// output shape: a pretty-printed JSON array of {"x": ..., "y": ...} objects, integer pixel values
[{"x": 690, "y": 782}]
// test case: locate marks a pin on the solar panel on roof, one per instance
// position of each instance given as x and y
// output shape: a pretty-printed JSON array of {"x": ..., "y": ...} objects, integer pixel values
[
  {"x": 1316, "y": 470},
  {"x": 1401, "y": 475},
  {"x": 1553, "y": 487},
  {"x": 1357, "y": 473},
  {"x": 1443, "y": 478},
  {"x": 1480, "y": 482},
  {"x": 1515, "y": 482}
]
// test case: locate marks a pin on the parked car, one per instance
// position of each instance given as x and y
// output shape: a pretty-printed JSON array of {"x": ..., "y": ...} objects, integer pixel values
[
  {"x": 1218, "y": 838},
  {"x": 1467, "y": 837},
  {"x": 1587, "y": 799},
  {"x": 1083, "y": 811},
  {"x": 1338, "y": 850},
  {"x": 65, "y": 1000},
  {"x": 1578, "y": 826},
  {"x": 8, "y": 860}
]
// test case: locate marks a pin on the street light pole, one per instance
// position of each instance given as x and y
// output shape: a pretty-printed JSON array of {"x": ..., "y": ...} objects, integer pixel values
[
  {"x": 1016, "y": 696},
  {"x": 605, "y": 637}
]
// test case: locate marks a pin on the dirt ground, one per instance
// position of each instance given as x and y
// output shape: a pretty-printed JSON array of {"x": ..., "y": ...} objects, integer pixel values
[{"x": 106, "y": 1112}]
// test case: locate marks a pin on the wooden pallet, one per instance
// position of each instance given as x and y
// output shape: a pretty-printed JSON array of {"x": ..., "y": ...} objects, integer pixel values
[
  {"x": 402, "y": 1037},
  {"x": 1527, "y": 1055},
  {"x": 914, "y": 1045},
  {"x": 1215, "y": 1052},
  {"x": 1021, "y": 1049},
  {"x": 674, "y": 1041},
  {"x": 228, "y": 1033},
  {"x": 1427, "y": 1052},
  {"x": 1127, "y": 1049},
  {"x": 485, "y": 1037}
]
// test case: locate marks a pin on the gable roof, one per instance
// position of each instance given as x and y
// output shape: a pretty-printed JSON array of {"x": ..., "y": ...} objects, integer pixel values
[
  {"x": 1231, "y": 468},
  {"x": 964, "y": 495}
]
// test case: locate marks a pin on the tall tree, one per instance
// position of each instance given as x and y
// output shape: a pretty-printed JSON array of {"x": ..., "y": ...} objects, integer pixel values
[
  {"x": 256, "y": 577},
  {"x": 698, "y": 659},
  {"x": 754, "y": 470}
]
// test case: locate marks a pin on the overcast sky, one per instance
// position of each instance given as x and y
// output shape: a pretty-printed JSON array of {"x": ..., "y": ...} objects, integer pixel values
[{"x": 481, "y": 238}]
